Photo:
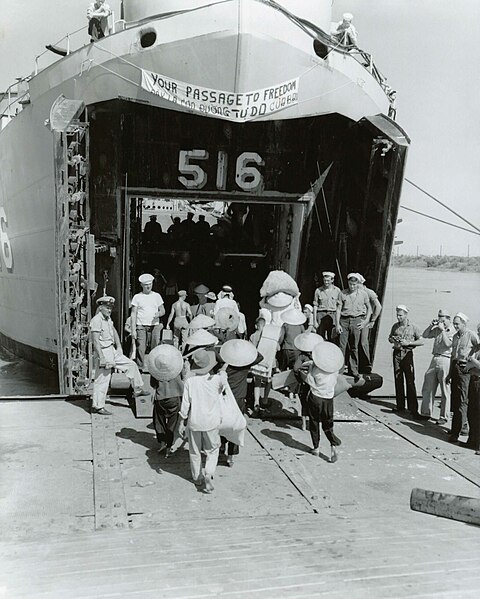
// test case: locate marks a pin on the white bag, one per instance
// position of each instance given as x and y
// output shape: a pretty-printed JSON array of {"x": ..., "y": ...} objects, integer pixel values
[{"x": 233, "y": 423}]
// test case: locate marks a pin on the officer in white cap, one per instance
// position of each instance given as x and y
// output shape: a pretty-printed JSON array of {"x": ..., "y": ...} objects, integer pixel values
[
  {"x": 147, "y": 309},
  {"x": 405, "y": 336},
  {"x": 463, "y": 345},
  {"x": 326, "y": 300},
  {"x": 108, "y": 354}
]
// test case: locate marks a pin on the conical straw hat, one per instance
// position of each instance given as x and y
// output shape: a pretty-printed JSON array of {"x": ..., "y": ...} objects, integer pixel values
[
  {"x": 201, "y": 289},
  {"x": 202, "y": 361},
  {"x": 238, "y": 352},
  {"x": 328, "y": 357},
  {"x": 202, "y": 321},
  {"x": 293, "y": 316},
  {"x": 201, "y": 337},
  {"x": 227, "y": 319},
  {"x": 164, "y": 362},
  {"x": 280, "y": 300},
  {"x": 307, "y": 341}
]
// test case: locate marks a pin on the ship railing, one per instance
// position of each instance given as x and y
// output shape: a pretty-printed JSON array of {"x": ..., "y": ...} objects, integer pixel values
[
  {"x": 13, "y": 99},
  {"x": 71, "y": 41}
]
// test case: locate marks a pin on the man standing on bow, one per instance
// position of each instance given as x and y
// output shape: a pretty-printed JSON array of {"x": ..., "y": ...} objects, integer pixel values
[
  {"x": 404, "y": 337},
  {"x": 353, "y": 314},
  {"x": 325, "y": 303},
  {"x": 108, "y": 354},
  {"x": 441, "y": 330},
  {"x": 147, "y": 309}
]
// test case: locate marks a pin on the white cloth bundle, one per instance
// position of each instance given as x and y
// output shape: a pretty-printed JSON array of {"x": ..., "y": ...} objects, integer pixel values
[{"x": 233, "y": 423}]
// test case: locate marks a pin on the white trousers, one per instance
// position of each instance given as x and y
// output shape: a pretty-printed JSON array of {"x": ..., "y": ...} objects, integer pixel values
[
  {"x": 209, "y": 443},
  {"x": 436, "y": 375},
  {"x": 103, "y": 375}
]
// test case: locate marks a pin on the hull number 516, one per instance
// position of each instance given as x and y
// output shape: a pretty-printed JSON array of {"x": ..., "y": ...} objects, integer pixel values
[{"x": 193, "y": 176}]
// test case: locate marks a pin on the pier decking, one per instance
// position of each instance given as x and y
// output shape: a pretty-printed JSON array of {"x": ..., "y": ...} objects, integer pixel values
[{"x": 89, "y": 509}]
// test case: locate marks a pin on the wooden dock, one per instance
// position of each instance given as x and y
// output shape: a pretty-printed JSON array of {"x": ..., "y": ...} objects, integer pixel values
[{"x": 88, "y": 509}]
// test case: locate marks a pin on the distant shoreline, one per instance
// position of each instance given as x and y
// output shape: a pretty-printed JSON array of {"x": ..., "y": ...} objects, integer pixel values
[{"x": 446, "y": 263}]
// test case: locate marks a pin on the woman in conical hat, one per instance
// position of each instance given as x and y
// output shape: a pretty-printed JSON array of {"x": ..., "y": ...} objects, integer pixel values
[
  {"x": 239, "y": 356},
  {"x": 305, "y": 342},
  {"x": 165, "y": 364}
]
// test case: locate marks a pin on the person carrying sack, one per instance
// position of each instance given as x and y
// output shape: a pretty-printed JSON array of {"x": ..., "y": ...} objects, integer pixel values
[{"x": 239, "y": 356}]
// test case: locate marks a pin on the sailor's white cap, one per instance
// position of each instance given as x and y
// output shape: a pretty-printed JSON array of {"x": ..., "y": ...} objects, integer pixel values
[
  {"x": 106, "y": 299},
  {"x": 327, "y": 273},
  {"x": 354, "y": 275},
  {"x": 146, "y": 278},
  {"x": 227, "y": 289},
  {"x": 402, "y": 307},
  {"x": 462, "y": 316},
  {"x": 361, "y": 278}
]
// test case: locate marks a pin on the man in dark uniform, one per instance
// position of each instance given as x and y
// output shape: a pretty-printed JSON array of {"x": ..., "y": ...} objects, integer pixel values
[{"x": 404, "y": 337}]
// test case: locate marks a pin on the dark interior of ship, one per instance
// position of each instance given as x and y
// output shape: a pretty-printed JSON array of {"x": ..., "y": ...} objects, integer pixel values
[{"x": 328, "y": 200}]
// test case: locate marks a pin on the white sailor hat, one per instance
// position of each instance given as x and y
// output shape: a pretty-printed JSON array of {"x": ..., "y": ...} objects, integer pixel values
[
  {"x": 402, "y": 307},
  {"x": 182, "y": 293},
  {"x": 227, "y": 289},
  {"x": 106, "y": 299},
  {"x": 361, "y": 278},
  {"x": 327, "y": 273},
  {"x": 146, "y": 278},
  {"x": 462, "y": 316},
  {"x": 354, "y": 275}
]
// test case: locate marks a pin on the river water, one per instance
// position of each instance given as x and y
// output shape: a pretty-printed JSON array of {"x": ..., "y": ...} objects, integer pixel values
[{"x": 424, "y": 291}]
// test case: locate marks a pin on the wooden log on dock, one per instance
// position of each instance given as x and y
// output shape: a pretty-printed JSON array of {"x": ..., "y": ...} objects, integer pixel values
[{"x": 445, "y": 505}]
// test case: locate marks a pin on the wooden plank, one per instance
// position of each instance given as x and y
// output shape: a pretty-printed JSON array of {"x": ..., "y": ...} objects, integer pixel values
[
  {"x": 109, "y": 496},
  {"x": 446, "y": 505}
]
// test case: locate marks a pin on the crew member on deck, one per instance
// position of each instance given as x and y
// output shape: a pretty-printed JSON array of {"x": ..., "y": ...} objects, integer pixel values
[
  {"x": 344, "y": 31},
  {"x": 405, "y": 336},
  {"x": 365, "y": 358},
  {"x": 325, "y": 303},
  {"x": 353, "y": 314},
  {"x": 147, "y": 309},
  {"x": 464, "y": 345},
  {"x": 108, "y": 354},
  {"x": 97, "y": 15}
]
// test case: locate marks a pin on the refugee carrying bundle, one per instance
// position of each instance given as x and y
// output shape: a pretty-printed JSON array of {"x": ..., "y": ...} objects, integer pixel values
[{"x": 233, "y": 423}]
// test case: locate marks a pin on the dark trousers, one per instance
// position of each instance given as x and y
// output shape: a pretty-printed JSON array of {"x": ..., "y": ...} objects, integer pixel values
[
  {"x": 459, "y": 398},
  {"x": 320, "y": 410},
  {"x": 350, "y": 338},
  {"x": 148, "y": 337},
  {"x": 165, "y": 418},
  {"x": 95, "y": 30},
  {"x": 303, "y": 393},
  {"x": 365, "y": 359},
  {"x": 233, "y": 449},
  {"x": 404, "y": 372},
  {"x": 326, "y": 323},
  {"x": 474, "y": 412}
]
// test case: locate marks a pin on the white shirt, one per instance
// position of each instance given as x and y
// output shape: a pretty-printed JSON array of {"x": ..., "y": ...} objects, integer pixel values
[
  {"x": 201, "y": 401},
  {"x": 147, "y": 305},
  {"x": 321, "y": 383}
]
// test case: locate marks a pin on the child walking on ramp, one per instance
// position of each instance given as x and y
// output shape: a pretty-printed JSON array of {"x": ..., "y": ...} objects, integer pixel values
[{"x": 322, "y": 377}]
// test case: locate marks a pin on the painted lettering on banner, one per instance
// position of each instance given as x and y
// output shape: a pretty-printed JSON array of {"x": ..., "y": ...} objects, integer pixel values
[{"x": 237, "y": 107}]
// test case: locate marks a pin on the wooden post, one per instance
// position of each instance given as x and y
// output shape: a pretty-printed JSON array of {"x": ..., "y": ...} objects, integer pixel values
[{"x": 445, "y": 505}]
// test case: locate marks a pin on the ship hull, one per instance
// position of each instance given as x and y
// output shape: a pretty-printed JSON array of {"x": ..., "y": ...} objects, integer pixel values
[{"x": 318, "y": 161}]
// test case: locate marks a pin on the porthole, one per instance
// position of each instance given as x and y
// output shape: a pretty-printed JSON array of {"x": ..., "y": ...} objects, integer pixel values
[{"x": 148, "y": 38}]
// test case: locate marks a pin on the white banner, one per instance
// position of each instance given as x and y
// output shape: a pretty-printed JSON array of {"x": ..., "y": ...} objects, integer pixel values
[{"x": 224, "y": 105}]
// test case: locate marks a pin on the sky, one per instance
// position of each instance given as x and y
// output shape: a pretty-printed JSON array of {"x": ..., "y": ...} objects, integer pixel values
[{"x": 428, "y": 51}]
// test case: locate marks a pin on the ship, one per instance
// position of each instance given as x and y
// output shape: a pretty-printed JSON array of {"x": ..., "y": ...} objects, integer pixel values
[{"x": 248, "y": 111}]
